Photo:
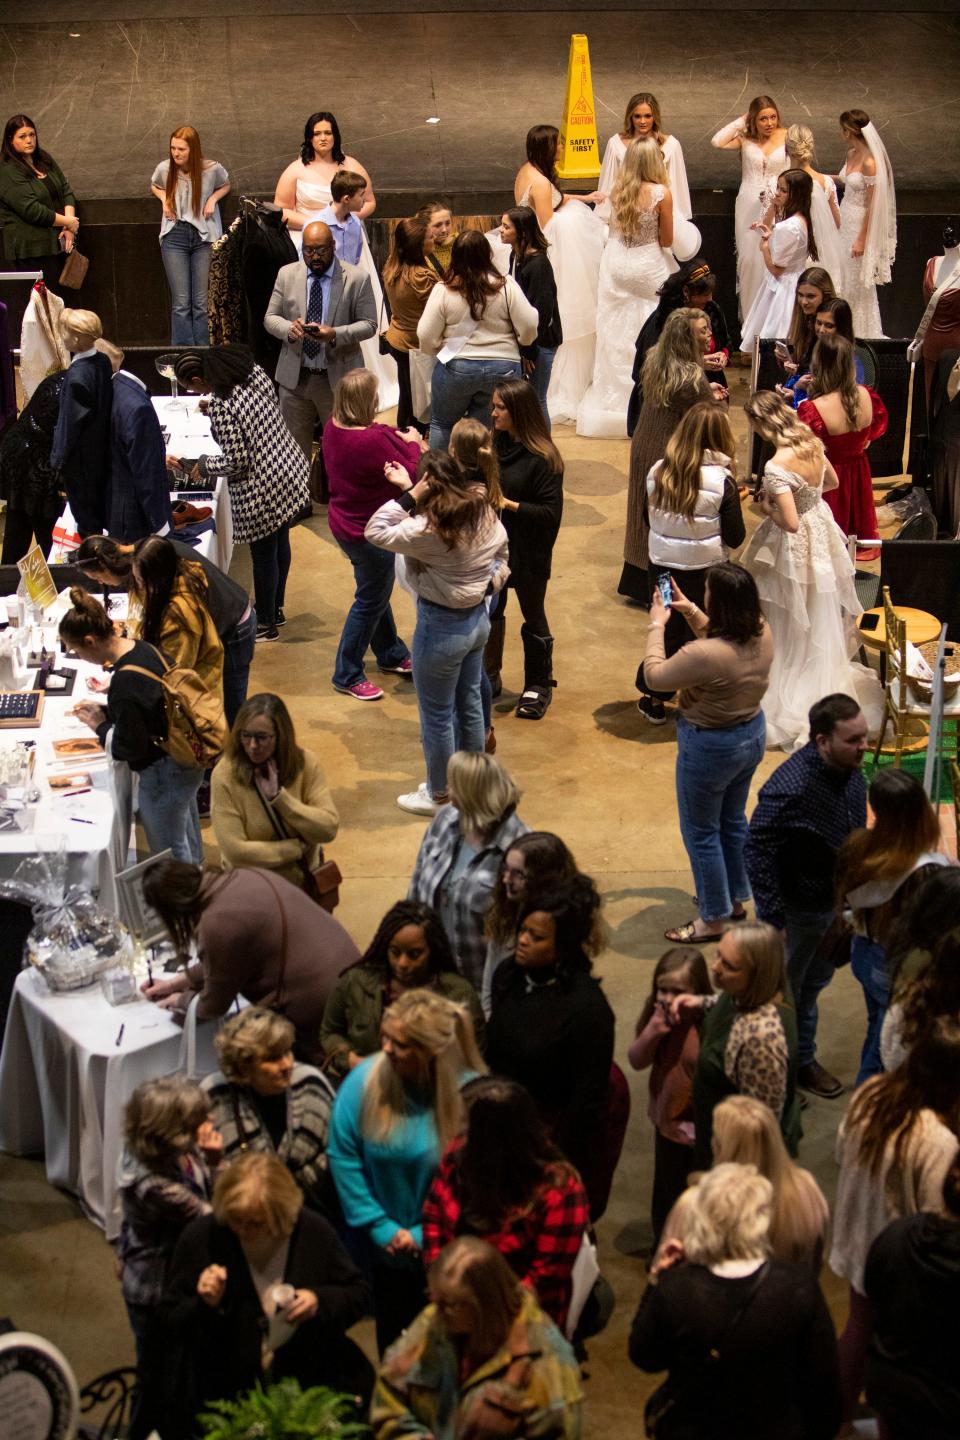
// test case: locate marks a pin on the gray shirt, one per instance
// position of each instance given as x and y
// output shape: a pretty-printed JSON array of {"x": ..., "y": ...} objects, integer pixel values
[{"x": 214, "y": 177}]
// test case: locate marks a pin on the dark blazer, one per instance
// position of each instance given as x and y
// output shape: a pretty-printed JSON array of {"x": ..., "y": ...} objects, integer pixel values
[
  {"x": 27, "y": 210},
  {"x": 81, "y": 441},
  {"x": 219, "y": 1352},
  {"x": 140, "y": 486}
]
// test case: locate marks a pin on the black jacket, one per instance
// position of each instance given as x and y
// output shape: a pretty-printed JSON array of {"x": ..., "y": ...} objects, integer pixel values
[
  {"x": 82, "y": 443},
  {"x": 227, "y": 601},
  {"x": 135, "y": 709},
  {"x": 28, "y": 480},
  {"x": 535, "y": 276},
  {"x": 140, "y": 482},
  {"x": 532, "y": 530},
  {"x": 218, "y": 1350}
]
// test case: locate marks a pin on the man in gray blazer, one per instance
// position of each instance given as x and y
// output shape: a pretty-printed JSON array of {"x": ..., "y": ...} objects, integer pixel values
[{"x": 321, "y": 309}]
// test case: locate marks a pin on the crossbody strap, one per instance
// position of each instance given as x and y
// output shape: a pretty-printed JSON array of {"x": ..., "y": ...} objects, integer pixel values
[{"x": 282, "y": 833}]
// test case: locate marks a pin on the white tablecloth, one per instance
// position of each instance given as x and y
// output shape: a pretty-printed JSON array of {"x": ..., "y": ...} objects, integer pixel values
[
  {"x": 64, "y": 1082},
  {"x": 190, "y": 437}
]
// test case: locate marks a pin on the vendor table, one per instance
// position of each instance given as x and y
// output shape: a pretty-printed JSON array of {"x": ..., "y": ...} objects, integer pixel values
[{"x": 190, "y": 437}]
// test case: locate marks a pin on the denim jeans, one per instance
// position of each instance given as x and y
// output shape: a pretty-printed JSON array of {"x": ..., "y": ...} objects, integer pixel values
[
  {"x": 809, "y": 972},
  {"x": 540, "y": 379},
  {"x": 186, "y": 259},
  {"x": 868, "y": 961},
  {"x": 271, "y": 566},
  {"x": 447, "y": 661},
  {"x": 238, "y": 648},
  {"x": 464, "y": 388},
  {"x": 168, "y": 809},
  {"x": 370, "y": 619},
  {"x": 714, "y": 770}
]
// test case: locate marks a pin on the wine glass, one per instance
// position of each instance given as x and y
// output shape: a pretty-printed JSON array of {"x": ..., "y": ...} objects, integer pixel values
[{"x": 166, "y": 366}]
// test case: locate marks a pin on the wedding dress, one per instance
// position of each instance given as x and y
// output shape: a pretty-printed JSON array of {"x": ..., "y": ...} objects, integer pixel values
[
  {"x": 757, "y": 187},
  {"x": 771, "y": 312},
  {"x": 676, "y": 168}
]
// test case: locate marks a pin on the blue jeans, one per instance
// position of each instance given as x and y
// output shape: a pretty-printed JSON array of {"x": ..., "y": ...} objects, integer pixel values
[
  {"x": 868, "y": 961},
  {"x": 714, "y": 770},
  {"x": 464, "y": 388},
  {"x": 168, "y": 809},
  {"x": 370, "y": 619},
  {"x": 186, "y": 259},
  {"x": 238, "y": 648},
  {"x": 270, "y": 558},
  {"x": 447, "y": 661},
  {"x": 540, "y": 379},
  {"x": 809, "y": 973}
]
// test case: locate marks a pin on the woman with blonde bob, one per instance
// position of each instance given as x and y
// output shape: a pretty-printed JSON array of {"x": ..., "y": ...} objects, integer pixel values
[
  {"x": 394, "y": 1114},
  {"x": 260, "y": 1290},
  {"x": 633, "y": 268},
  {"x": 805, "y": 577},
  {"x": 498, "y": 1364},
  {"x": 673, "y": 380},
  {"x": 189, "y": 188},
  {"x": 459, "y": 862},
  {"x": 263, "y": 1100},
  {"x": 746, "y": 1336},
  {"x": 355, "y": 451}
]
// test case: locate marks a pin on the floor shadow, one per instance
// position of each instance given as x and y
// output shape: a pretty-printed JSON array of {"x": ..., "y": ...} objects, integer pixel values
[{"x": 623, "y": 720}]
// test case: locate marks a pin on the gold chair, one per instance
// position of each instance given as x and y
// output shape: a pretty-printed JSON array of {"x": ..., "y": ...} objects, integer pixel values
[{"x": 901, "y": 709}]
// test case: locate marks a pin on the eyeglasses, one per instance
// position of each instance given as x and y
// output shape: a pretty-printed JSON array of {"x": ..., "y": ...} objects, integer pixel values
[
  {"x": 514, "y": 874},
  {"x": 316, "y": 249},
  {"x": 256, "y": 737}
]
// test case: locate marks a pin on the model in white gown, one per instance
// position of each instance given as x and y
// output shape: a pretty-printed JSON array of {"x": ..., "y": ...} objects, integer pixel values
[
  {"x": 312, "y": 197},
  {"x": 806, "y": 585},
  {"x": 631, "y": 273},
  {"x": 772, "y": 310},
  {"x": 826, "y": 232},
  {"x": 859, "y": 292},
  {"x": 673, "y": 162}
]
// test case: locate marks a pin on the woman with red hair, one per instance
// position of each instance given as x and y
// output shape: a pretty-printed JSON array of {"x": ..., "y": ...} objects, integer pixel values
[{"x": 190, "y": 188}]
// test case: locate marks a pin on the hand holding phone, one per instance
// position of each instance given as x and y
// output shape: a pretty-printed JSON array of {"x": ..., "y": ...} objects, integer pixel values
[{"x": 666, "y": 589}]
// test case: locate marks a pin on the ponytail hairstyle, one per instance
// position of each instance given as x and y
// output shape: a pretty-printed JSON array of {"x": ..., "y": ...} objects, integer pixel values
[
  {"x": 86, "y": 616},
  {"x": 471, "y": 445},
  {"x": 801, "y": 334},
  {"x": 758, "y": 104},
  {"x": 542, "y": 152},
  {"x": 777, "y": 422},
  {"x": 456, "y": 510},
  {"x": 519, "y": 399},
  {"x": 799, "y": 199},
  {"x": 442, "y": 1033},
  {"x": 833, "y": 370},
  {"x": 102, "y": 552},
  {"x": 800, "y": 147},
  {"x": 856, "y": 121},
  {"x": 676, "y": 483},
  {"x": 194, "y": 170}
]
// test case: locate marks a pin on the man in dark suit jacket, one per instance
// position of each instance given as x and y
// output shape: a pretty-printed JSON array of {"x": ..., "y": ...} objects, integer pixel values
[
  {"x": 140, "y": 485},
  {"x": 81, "y": 441},
  {"x": 321, "y": 310}
]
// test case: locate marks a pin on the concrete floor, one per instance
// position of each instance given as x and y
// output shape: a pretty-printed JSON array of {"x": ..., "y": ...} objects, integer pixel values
[{"x": 591, "y": 771}]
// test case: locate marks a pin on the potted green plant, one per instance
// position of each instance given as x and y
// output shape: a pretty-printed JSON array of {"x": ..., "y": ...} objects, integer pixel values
[{"x": 284, "y": 1412}]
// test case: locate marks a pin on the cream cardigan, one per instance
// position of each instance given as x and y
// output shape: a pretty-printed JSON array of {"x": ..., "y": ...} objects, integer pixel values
[{"x": 245, "y": 833}]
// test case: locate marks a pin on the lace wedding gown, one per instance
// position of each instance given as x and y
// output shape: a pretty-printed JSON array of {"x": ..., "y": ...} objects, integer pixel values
[
  {"x": 757, "y": 186},
  {"x": 673, "y": 159},
  {"x": 631, "y": 273},
  {"x": 312, "y": 197},
  {"x": 860, "y": 295},
  {"x": 806, "y": 585}
]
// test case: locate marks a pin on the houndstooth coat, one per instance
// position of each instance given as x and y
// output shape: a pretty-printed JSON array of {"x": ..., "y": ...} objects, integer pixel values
[{"x": 265, "y": 467}]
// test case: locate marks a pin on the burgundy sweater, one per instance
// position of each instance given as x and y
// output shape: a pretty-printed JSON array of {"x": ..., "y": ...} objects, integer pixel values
[{"x": 358, "y": 487}]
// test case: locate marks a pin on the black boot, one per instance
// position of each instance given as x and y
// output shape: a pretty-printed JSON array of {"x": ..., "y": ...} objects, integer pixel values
[
  {"x": 538, "y": 681},
  {"x": 493, "y": 653}
]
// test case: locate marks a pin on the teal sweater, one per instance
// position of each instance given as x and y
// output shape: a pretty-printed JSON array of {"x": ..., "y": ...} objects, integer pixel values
[{"x": 382, "y": 1184}]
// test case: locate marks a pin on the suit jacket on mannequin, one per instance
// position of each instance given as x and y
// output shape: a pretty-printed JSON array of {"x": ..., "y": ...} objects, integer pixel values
[
  {"x": 81, "y": 441},
  {"x": 140, "y": 486},
  {"x": 351, "y": 311}
]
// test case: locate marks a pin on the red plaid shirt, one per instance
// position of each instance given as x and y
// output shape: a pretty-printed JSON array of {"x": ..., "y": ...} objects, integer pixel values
[{"x": 540, "y": 1242}]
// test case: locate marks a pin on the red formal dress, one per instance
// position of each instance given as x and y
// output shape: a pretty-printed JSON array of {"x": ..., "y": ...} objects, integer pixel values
[{"x": 852, "y": 504}]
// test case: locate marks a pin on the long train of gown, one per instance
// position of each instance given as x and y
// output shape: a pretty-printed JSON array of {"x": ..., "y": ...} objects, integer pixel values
[
  {"x": 859, "y": 295},
  {"x": 312, "y": 197},
  {"x": 806, "y": 585},
  {"x": 826, "y": 234},
  {"x": 757, "y": 186},
  {"x": 631, "y": 273},
  {"x": 676, "y": 168}
]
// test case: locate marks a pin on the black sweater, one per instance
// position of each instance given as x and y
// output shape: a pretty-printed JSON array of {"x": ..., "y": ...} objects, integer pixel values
[
  {"x": 777, "y": 1375},
  {"x": 557, "y": 1040},
  {"x": 135, "y": 709},
  {"x": 535, "y": 276},
  {"x": 532, "y": 530},
  {"x": 227, "y": 601}
]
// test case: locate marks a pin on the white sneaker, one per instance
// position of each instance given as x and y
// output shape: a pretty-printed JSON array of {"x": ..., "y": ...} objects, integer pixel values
[{"x": 418, "y": 802}]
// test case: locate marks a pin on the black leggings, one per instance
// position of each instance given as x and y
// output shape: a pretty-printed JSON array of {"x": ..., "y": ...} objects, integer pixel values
[
  {"x": 531, "y": 592},
  {"x": 405, "y": 415},
  {"x": 17, "y": 531}
]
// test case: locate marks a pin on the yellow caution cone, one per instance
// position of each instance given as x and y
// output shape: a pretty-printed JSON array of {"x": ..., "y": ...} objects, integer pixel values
[{"x": 578, "y": 150}]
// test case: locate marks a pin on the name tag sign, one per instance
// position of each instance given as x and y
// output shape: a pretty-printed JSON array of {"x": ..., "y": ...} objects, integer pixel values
[{"x": 36, "y": 576}]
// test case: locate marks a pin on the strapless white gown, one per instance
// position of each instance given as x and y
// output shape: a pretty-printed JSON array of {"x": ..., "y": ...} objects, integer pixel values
[
  {"x": 757, "y": 186},
  {"x": 859, "y": 295},
  {"x": 312, "y": 197},
  {"x": 576, "y": 247}
]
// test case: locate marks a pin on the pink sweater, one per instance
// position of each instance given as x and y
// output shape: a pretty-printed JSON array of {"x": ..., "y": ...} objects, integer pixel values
[
  {"x": 672, "y": 1052},
  {"x": 354, "y": 460}
]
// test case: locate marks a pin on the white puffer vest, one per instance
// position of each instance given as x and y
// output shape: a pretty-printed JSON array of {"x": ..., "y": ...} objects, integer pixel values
[{"x": 681, "y": 543}]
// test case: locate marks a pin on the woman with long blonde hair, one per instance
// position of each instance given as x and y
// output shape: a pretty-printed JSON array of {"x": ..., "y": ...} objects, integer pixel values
[
  {"x": 804, "y": 574},
  {"x": 672, "y": 381},
  {"x": 393, "y": 1116},
  {"x": 642, "y": 120},
  {"x": 189, "y": 188},
  {"x": 633, "y": 268},
  {"x": 746, "y": 1132}
]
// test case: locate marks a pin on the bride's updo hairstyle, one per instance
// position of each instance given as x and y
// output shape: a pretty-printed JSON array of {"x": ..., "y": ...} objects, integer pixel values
[
  {"x": 855, "y": 121},
  {"x": 800, "y": 147},
  {"x": 777, "y": 422}
]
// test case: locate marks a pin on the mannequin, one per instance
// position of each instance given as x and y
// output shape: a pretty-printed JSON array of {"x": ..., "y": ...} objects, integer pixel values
[
  {"x": 81, "y": 441},
  {"x": 943, "y": 331}
]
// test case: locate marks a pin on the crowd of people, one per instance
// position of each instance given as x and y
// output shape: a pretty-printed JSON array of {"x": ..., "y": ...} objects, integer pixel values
[{"x": 427, "y": 1132}]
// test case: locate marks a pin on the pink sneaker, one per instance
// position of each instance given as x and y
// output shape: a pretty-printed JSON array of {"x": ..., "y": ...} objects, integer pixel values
[
  {"x": 404, "y": 668},
  {"x": 363, "y": 690}
]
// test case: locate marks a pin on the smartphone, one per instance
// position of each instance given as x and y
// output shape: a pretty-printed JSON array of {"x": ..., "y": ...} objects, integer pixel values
[
  {"x": 665, "y": 588},
  {"x": 868, "y": 621},
  {"x": 782, "y": 349}
]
